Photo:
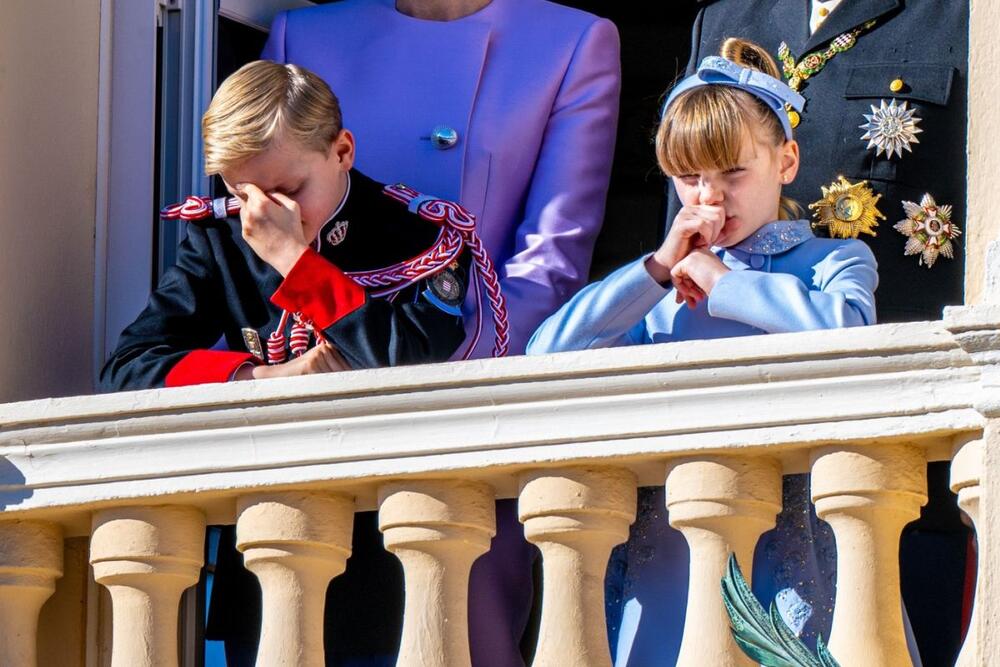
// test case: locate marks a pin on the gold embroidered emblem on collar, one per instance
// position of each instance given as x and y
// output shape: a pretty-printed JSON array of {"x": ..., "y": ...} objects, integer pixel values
[
  {"x": 847, "y": 209},
  {"x": 337, "y": 235}
]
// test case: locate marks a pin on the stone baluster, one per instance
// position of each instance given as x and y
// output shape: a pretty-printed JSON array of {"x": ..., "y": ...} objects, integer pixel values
[
  {"x": 867, "y": 494},
  {"x": 146, "y": 557},
  {"x": 295, "y": 542},
  {"x": 575, "y": 516},
  {"x": 966, "y": 471},
  {"x": 31, "y": 559},
  {"x": 722, "y": 505},
  {"x": 437, "y": 529}
]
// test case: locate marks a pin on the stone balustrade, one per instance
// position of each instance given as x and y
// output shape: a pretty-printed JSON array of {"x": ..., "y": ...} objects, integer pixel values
[{"x": 571, "y": 436}]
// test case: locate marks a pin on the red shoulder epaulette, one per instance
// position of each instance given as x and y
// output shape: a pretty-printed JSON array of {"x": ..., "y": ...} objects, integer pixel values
[{"x": 199, "y": 208}]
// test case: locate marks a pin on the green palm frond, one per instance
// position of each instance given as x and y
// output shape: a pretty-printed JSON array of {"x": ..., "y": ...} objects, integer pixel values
[
  {"x": 823, "y": 652},
  {"x": 763, "y": 636}
]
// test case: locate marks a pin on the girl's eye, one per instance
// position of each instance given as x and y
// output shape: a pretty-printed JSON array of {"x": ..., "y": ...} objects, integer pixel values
[
  {"x": 735, "y": 170},
  {"x": 689, "y": 179}
]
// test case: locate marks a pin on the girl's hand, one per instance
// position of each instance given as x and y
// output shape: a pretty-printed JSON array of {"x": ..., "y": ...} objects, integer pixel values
[
  {"x": 696, "y": 226},
  {"x": 695, "y": 276},
  {"x": 272, "y": 227},
  {"x": 323, "y": 358}
]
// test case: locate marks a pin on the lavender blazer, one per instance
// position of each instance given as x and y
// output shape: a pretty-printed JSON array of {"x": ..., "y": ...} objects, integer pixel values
[{"x": 532, "y": 89}]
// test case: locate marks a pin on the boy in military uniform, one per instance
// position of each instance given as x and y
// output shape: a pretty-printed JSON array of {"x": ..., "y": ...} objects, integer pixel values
[
  {"x": 280, "y": 273},
  {"x": 311, "y": 267}
]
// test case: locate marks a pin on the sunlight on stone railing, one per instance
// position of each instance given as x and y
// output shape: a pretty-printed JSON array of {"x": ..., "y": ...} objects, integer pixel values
[{"x": 571, "y": 436}]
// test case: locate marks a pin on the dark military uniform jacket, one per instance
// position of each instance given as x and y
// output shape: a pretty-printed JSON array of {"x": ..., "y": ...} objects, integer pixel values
[
  {"x": 220, "y": 289},
  {"x": 923, "y": 43}
]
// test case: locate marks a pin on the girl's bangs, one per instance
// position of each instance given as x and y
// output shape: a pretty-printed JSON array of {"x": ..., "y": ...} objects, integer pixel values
[{"x": 703, "y": 130}]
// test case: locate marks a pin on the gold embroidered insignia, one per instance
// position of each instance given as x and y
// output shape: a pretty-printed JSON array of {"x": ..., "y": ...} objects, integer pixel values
[
  {"x": 929, "y": 230},
  {"x": 847, "y": 209}
]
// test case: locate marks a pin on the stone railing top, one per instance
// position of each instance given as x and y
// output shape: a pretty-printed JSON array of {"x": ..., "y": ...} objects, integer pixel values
[{"x": 486, "y": 419}]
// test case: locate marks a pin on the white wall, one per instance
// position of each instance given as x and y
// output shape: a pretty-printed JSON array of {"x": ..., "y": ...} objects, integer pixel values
[{"x": 49, "y": 53}]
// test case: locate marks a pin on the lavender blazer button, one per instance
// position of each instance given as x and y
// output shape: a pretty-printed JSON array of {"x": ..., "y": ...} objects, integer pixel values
[{"x": 443, "y": 137}]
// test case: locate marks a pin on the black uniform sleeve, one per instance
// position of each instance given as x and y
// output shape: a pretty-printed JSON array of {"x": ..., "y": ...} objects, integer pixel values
[
  {"x": 182, "y": 316},
  {"x": 370, "y": 332}
]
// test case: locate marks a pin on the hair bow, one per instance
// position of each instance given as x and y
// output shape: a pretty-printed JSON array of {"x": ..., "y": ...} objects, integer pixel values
[{"x": 715, "y": 70}]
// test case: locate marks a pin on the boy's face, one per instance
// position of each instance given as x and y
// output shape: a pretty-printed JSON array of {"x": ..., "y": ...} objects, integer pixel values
[{"x": 314, "y": 180}]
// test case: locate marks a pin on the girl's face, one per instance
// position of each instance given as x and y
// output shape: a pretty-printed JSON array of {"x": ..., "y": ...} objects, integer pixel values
[{"x": 749, "y": 192}]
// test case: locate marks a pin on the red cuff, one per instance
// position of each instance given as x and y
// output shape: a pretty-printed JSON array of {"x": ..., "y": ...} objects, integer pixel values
[
  {"x": 204, "y": 366},
  {"x": 319, "y": 290}
]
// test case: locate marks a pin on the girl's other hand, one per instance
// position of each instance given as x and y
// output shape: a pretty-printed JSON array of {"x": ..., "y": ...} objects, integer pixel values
[
  {"x": 686, "y": 291},
  {"x": 703, "y": 269},
  {"x": 696, "y": 226}
]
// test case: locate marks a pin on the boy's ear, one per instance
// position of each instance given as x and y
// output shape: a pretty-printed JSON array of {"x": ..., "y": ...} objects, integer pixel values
[
  {"x": 789, "y": 160},
  {"x": 342, "y": 149}
]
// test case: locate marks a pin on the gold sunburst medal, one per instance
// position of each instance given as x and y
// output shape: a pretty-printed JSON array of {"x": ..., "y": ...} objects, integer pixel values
[{"x": 847, "y": 209}]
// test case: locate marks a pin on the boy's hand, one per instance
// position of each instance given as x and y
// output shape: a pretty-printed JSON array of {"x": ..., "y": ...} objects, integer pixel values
[
  {"x": 272, "y": 226},
  {"x": 323, "y": 358},
  {"x": 695, "y": 276},
  {"x": 696, "y": 226}
]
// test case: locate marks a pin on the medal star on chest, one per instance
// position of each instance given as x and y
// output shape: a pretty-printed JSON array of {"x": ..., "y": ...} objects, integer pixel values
[
  {"x": 847, "y": 209},
  {"x": 891, "y": 128},
  {"x": 929, "y": 230}
]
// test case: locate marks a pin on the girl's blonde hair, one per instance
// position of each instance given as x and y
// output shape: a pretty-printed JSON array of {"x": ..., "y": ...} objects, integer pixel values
[
  {"x": 261, "y": 102},
  {"x": 705, "y": 127}
]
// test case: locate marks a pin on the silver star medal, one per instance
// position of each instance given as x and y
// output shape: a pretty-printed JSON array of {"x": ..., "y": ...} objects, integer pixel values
[{"x": 891, "y": 128}]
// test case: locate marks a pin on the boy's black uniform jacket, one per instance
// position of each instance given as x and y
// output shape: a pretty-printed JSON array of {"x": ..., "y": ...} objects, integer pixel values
[
  {"x": 219, "y": 286},
  {"x": 924, "y": 43}
]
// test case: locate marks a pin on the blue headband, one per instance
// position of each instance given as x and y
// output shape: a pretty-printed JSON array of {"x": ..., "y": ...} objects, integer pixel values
[{"x": 718, "y": 71}]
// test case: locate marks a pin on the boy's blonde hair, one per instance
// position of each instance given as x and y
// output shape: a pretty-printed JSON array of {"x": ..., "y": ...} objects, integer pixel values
[
  {"x": 261, "y": 102},
  {"x": 705, "y": 127}
]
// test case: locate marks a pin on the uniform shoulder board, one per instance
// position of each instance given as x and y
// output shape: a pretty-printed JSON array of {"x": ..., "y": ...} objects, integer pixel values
[
  {"x": 195, "y": 208},
  {"x": 435, "y": 209}
]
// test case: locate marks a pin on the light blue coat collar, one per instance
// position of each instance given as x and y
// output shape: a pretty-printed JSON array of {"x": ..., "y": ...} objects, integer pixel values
[{"x": 775, "y": 238}]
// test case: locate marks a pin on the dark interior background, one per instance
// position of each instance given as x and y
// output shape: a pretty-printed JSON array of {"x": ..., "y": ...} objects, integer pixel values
[{"x": 656, "y": 43}]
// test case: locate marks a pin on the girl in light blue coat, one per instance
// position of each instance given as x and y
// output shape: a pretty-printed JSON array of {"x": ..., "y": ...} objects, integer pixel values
[{"x": 736, "y": 262}]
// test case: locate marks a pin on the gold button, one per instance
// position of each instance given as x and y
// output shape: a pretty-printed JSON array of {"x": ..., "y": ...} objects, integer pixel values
[
  {"x": 823, "y": 11},
  {"x": 896, "y": 85},
  {"x": 793, "y": 118}
]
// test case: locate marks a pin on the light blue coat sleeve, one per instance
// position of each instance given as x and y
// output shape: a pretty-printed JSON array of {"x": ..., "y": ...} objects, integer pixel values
[
  {"x": 843, "y": 294},
  {"x": 607, "y": 313}
]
